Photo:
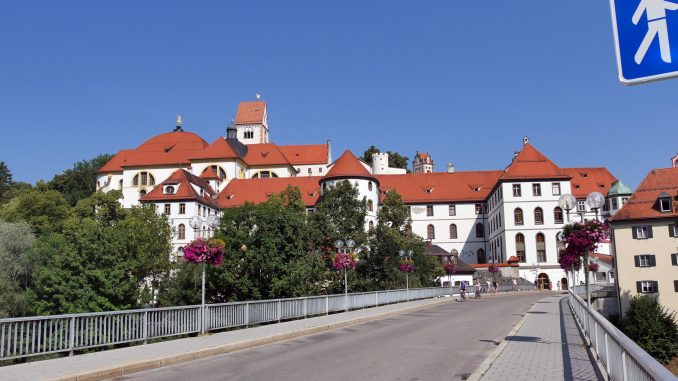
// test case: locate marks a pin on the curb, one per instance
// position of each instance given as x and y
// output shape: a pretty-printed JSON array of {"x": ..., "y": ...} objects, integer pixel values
[
  {"x": 487, "y": 363},
  {"x": 134, "y": 367}
]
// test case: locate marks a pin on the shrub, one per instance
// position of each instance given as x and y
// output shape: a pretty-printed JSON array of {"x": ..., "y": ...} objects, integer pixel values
[{"x": 653, "y": 328}]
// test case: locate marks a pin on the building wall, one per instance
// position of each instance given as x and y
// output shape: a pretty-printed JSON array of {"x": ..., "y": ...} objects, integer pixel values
[{"x": 625, "y": 247}]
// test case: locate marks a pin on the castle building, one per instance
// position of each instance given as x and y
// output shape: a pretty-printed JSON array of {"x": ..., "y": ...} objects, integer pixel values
[{"x": 483, "y": 216}]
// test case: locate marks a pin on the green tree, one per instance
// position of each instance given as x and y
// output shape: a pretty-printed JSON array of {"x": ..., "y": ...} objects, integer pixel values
[
  {"x": 42, "y": 208},
  {"x": 5, "y": 180},
  {"x": 79, "y": 182},
  {"x": 653, "y": 328},
  {"x": 16, "y": 268}
]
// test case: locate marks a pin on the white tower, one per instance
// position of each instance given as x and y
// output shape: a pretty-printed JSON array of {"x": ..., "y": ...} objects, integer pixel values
[
  {"x": 422, "y": 163},
  {"x": 380, "y": 163}
]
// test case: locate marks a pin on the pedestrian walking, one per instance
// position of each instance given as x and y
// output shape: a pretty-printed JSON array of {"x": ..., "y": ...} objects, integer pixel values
[
  {"x": 535, "y": 285},
  {"x": 558, "y": 285},
  {"x": 462, "y": 290},
  {"x": 488, "y": 284},
  {"x": 514, "y": 284},
  {"x": 494, "y": 286},
  {"x": 477, "y": 289}
]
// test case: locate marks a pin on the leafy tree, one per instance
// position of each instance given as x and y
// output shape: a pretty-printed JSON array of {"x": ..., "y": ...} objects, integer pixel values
[
  {"x": 395, "y": 159},
  {"x": 42, "y": 208},
  {"x": 652, "y": 327},
  {"x": 16, "y": 268},
  {"x": 80, "y": 181},
  {"x": 5, "y": 179},
  {"x": 15, "y": 190},
  {"x": 100, "y": 261}
]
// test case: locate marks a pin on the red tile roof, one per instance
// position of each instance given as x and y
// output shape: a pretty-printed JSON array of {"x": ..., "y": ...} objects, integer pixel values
[
  {"x": 239, "y": 191},
  {"x": 171, "y": 148},
  {"x": 182, "y": 180},
  {"x": 441, "y": 186},
  {"x": 116, "y": 162},
  {"x": 306, "y": 154},
  {"x": 347, "y": 165},
  {"x": 209, "y": 174},
  {"x": 219, "y": 149},
  {"x": 250, "y": 112},
  {"x": 587, "y": 180},
  {"x": 265, "y": 154},
  {"x": 532, "y": 164},
  {"x": 643, "y": 203}
]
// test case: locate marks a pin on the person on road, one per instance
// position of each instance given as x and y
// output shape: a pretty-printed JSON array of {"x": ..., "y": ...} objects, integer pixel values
[
  {"x": 494, "y": 286},
  {"x": 514, "y": 284},
  {"x": 462, "y": 290},
  {"x": 477, "y": 289},
  {"x": 489, "y": 286}
]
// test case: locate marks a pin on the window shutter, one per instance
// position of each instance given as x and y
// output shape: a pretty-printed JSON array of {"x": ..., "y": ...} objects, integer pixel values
[
  {"x": 634, "y": 232},
  {"x": 675, "y": 285},
  {"x": 649, "y": 232},
  {"x": 653, "y": 260},
  {"x": 671, "y": 229},
  {"x": 674, "y": 259},
  {"x": 655, "y": 286},
  {"x": 639, "y": 287},
  {"x": 636, "y": 259}
]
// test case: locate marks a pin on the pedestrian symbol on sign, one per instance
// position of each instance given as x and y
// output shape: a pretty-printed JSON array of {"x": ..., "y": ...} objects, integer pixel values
[{"x": 656, "y": 26}]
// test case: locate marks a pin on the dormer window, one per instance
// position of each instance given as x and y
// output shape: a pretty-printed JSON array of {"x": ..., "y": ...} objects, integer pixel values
[
  {"x": 169, "y": 189},
  {"x": 664, "y": 203}
]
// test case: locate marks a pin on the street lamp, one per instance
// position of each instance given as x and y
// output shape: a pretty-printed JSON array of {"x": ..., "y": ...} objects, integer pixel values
[
  {"x": 212, "y": 222},
  {"x": 595, "y": 201},
  {"x": 406, "y": 256},
  {"x": 568, "y": 202},
  {"x": 195, "y": 223},
  {"x": 345, "y": 248}
]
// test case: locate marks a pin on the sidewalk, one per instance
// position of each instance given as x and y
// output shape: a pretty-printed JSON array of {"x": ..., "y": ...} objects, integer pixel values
[
  {"x": 546, "y": 345},
  {"x": 118, "y": 362}
]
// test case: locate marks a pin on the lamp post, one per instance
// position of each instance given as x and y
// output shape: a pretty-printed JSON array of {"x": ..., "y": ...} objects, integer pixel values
[
  {"x": 345, "y": 248},
  {"x": 195, "y": 223},
  {"x": 406, "y": 256},
  {"x": 568, "y": 202},
  {"x": 212, "y": 222},
  {"x": 595, "y": 201}
]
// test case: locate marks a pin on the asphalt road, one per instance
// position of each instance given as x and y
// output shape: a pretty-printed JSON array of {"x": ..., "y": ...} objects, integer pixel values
[{"x": 444, "y": 342}]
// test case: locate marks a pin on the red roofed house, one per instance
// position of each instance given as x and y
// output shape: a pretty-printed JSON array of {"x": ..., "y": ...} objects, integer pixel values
[{"x": 645, "y": 240}]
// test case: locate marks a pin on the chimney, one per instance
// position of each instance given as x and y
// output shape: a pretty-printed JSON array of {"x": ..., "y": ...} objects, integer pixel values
[{"x": 450, "y": 168}]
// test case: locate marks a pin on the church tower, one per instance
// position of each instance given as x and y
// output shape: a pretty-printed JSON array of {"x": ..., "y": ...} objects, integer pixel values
[
  {"x": 422, "y": 163},
  {"x": 251, "y": 121}
]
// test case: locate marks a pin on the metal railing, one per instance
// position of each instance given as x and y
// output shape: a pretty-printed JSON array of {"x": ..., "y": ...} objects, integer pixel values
[
  {"x": 623, "y": 359},
  {"x": 41, "y": 335}
]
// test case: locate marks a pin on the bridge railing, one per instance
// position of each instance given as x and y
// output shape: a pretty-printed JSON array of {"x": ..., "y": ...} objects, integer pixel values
[
  {"x": 623, "y": 359},
  {"x": 41, "y": 335}
]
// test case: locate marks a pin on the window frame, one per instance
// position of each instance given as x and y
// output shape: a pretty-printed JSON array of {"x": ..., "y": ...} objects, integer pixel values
[
  {"x": 182, "y": 208},
  {"x": 430, "y": 232},
  {"x": 536, "y": 189},
  {"x": 538, "y": 216},
  {"x": 520, "y": 253},
  {"x": 168, "y": 209},
  {"x": 645, "y": 260},
  {"x": 454, "y": 229},
  {"x": 515, "y": 217},
  {"x": 517, "y": 190},
  {"x": 558, "y": 216},
  {"x": 555, "y": 189},
  {"x": 664, "y": 204},
  {"x": 429, "y": 210},
  {"x": 452, "y": 210}
]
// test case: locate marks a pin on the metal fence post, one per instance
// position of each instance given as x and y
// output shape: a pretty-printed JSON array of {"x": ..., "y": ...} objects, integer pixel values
[
  {"x": 623, "y": 361},
  {"x": 279, "y": 310},
  {"x": 376, "y": 298},
  {"x": 305, "y": 307},
  {"x": 71, "y": 338},
  {"x": 145, "y": 327},
  {"x": 247, "y": 314},
  {"x": 327, "y": 304}
]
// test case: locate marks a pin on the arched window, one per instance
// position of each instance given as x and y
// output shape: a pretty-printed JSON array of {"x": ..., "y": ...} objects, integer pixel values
[
  {"x": 541, "y": 248},
  {"x": 453, "y": 231},
  {"x": 264, "y": 175},
  {"x": 142, "y": 193},
  {"x": 480, "y": 230},
  {"x": 181, "y": 232},
  {"x": 558, "y": 215},
  {"x": 217, "y": 170},
  {"x": 431, "y": 232},
  {"x": 143, "y": 178},
  {"x": 480, "y": 254},
  {"x": 538, "y": 216},
  {"x": 370, "y": 204},
  {"x": 518, "y": 216},
  {"x": 371, "y": 225},
  {"x": 520, "y": 247}
]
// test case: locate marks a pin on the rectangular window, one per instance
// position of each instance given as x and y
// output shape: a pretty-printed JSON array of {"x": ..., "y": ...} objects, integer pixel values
[
  {"x": 479, "y": 208},
  {"x": 453, "y": 210},
  {"x": 625, "y": 200},
  {"x": 647, "y": 286},
  {"x": 320, "y": 169},
  {"x": 606, "y": 205},
  {"x": 536, "y": 189},
  {"x": 674, "y": 259},
  {"x": 429, "y": 210},
  {"x": 675, "y": 285},
  {"x": 517, "y": 192},
  {"x": 581, "y": 206},
  {"x": 664, "y": 204},
  {"x": 645, "y": 260},
  {"x": 168, "y": 209},
  {"x": 641, "y": 232},
  {"x": 615, "y": 204},
  {"x": 144, "y": 178},
  {"x": 182, "y": 208},
  {"x": 541, "y": 255},
  {"x": 555, "y": 189},
  {"x": 673, "y": 230}
]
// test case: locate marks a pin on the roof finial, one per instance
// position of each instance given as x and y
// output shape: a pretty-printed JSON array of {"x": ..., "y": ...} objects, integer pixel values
[
  {"x": 178, "y": 127},
  {"x": 258, "y": 96},
  {"x": 525, "y": 140}
]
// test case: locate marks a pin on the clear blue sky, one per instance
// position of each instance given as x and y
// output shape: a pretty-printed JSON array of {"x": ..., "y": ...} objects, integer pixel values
[{"x": 462, "y": 80}]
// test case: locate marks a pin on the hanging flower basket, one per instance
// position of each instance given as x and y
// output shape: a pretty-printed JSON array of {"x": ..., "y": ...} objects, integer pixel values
[
  {"x": 406, "y": 266},
  {"x": 344, "y": 261},
  {"x": 203, "y": 251},
  {"x": 450, "y": 268},
  {"x": 493, "y": 269},
  {"x": 593, "y": 267}
]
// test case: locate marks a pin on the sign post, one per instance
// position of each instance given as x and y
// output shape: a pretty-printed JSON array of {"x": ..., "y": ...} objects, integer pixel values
[{"x": 646, "y": 39}]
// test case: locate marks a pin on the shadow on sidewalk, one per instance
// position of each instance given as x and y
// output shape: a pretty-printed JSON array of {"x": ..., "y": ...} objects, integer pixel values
[{"x": 567, "y": 358}]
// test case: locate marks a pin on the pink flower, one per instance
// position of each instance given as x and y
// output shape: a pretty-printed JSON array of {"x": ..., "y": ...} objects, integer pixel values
[
  {"x": 201, "y": 251},
  {"x": 450, "y": 268},
  {"x": 344, "y": 261},
  {"x": 406, "y": 266}
]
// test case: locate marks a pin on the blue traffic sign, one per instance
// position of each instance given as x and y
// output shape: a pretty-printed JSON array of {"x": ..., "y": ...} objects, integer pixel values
[{"x": 646, "y": 39}]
